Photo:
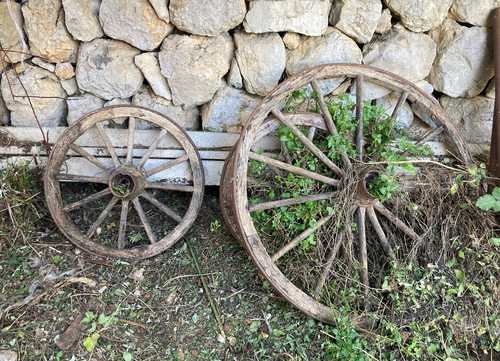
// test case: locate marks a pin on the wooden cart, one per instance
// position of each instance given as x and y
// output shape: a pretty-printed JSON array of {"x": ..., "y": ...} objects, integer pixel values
[{"x": 153, "y": 159}]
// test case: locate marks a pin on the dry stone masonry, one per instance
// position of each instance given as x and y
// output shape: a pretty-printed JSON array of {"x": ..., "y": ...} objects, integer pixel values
[
  {"x": 357, "y": 18},
  {"x": 134, "y": 22},
  {"x": 49, "y": 105},
  {"x": 206, "y": 64},
  {"x": 420, "y": 15},
  {"x": 209, "y": 17},
  {"x": 194, "y": 66},
  {"x": 106, "y": 68},
  {"x": 261, "y": 59},
  {"x": 308, "y": 17},
  {"x": 474, "y": 12},
  {"x": 465, "y": 60},
  {"x": 46, "y": 30},
  {"x": 187, "y": 117},
  {"x": 11, "y": 33},
  {"x": 82, "y": 19}
]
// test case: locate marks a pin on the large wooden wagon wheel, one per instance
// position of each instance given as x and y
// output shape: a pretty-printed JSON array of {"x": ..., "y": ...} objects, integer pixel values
[
  {"x": 332, "y": 175},
  {"x": 134, "y": 208}
]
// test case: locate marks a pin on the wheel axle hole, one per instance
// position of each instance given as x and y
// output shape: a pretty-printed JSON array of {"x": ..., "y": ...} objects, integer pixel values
[
  {"x": 122, "y": 185},
  {"x": 367, "y": 186},
  {"x": 380, "y": 186}
]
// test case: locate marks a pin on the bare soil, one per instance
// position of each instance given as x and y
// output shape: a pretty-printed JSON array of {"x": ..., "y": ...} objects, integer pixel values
[{"x": 161, "y": 309}]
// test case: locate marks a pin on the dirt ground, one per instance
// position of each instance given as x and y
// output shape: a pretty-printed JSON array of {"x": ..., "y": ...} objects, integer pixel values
[{"x": 151, "y": 310}]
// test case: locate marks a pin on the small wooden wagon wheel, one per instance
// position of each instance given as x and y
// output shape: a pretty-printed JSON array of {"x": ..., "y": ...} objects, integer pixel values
[
  {"x": 331, "y": 172},
  {"x": 133, "y": 208}
]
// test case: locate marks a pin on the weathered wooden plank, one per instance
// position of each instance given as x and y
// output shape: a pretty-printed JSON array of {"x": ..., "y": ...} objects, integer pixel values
[
  {"x": 213, "y": 161},
  {"x": 81, "y": 167},
  {"x": 213, "y": 148},
  {"x": 143, "y": 138},
  {"x": 121, "y": 152}
]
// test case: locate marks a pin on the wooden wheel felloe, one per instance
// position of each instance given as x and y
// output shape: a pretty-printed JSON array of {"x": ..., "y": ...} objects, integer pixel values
[
  {"x": 132, "y": 209},
  {"x": 371, "y": 215}
]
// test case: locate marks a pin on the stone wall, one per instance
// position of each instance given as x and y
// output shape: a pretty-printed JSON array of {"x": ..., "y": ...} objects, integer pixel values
[{"x": 205, "y": 63}]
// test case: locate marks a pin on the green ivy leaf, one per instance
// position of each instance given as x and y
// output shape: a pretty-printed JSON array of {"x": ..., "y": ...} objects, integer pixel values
[
  {"x": 486, "y": 203},
  {"x": 278, "y": 333},
  {"x": 104, "y": 320},
  {"x": 127, "y": 356},
  {"x": 90, "y": 342},
  {"x": 432, "y": 348},
  {"x": 410, "y": 169},
  {"x": 89, "y": 317},
  {"x": 496, "y": 193},
  {"x": 254, "y": 326},
  {"x": 195, "y": 317},
  {"x": 495, "y": 241}
]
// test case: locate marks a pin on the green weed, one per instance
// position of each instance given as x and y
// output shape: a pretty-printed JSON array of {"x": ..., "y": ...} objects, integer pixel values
[
  {"x": 20, "y": 210},
  {"x": 490, "y": 202},
  {"x": 96, "y": 326},
  {"x": 215, "y": 226},
  {"x": 345, "y": 343}
]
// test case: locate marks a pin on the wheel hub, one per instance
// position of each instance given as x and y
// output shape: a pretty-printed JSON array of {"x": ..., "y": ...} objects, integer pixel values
[
  {"x": 363, "y": 196},
  {"x": 126, "y": 182}
]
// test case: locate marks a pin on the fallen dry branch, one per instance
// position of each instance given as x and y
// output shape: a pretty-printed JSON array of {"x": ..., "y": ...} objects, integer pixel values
[{"x": 40, "y": 289}]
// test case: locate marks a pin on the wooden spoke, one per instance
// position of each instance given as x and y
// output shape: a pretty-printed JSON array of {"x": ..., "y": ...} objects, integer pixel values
[
  {"x": 286, "y": 154},
  {"x": 144, "y": 220},
  {"x": 430, "y": 135},
  {"x": 295, "y": 242},
  {"x": 87, "y": 200},
  {"x": 123, "y": 224},
  {"x": 81, "y": 179},
  {"x": 167, "y": 210},
  {"x": 399, "y": 105},
  {"x": 326, "y": 269},
  {"x": 293, "y": 169},
  {"x": 152, "y": 148},
  {"x": 107, "y": 142},
  {"x": 380, "y": 232},
  {"x": 88, "y": 156},
  {"x": 324, "y": 108},
  {"x": 362, "y": 248},
  {"x": 131, "y": 139},
  {"x": 102, "y": 217},
  {"x": 330, "y": 124},
  {"x": 309, "y": 144},
  {"x": 379, "y": 207},
  {"x": 289, "y": 202},
  {"x": 167, "y": 165},
  {"x": 170, "y": 187},
  {"x": 311, "y": 133},
  {"x": 360, "y": 142}
]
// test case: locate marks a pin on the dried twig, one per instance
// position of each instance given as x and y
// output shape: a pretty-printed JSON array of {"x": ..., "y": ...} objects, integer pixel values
[
  {"x": 208, "y": 294},
  {"x": 45, "y": 141},
  {"x": 33, "y": 297},
  {"x": 189, "y": 276}
]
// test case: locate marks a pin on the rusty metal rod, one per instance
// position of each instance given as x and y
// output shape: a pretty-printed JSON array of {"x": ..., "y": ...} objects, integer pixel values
[{"x": 494, "y": 163}]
